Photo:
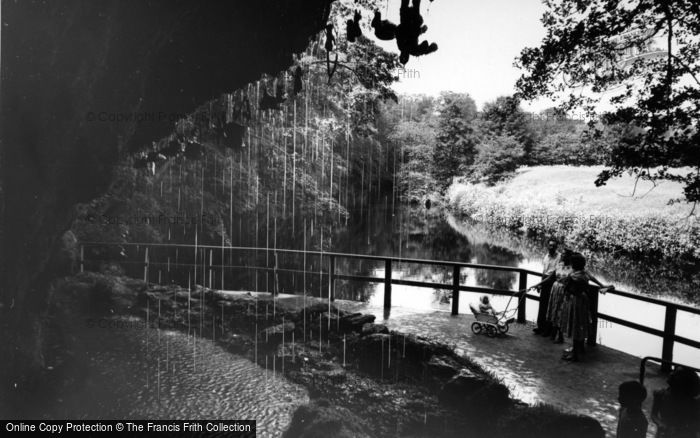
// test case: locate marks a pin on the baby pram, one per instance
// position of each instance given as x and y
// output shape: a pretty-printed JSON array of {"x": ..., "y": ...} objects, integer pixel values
[{"x": 497, "y": 324}]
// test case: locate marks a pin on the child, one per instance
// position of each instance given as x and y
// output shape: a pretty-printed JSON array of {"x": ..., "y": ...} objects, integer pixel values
[
  {"x": 632, "y": 422},
  {"x": 676, "y": 409},
  {"x": 485, "y": 306}
]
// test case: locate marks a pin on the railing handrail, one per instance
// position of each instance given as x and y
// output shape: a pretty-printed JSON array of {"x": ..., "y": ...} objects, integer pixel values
[
  {"x": 651, "y": 300},
  {"x": 668, "y": 334},
  {"x": 327, "y": 253},
  {"x": 668, "y": 363}
]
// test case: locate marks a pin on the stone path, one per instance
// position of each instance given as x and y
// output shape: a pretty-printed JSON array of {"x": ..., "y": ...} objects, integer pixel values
[{"x": 530, "y": 365}]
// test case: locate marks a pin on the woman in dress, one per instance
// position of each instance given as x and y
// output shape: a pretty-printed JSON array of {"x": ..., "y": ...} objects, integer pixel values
[
  {"x": 557, "y": 296},
  {"x": 575, "y": 314}
]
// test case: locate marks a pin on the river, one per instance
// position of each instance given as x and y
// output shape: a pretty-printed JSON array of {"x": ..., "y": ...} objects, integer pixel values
[
  {"x": 414, "y": 232},
  {"x": 139, "y": 372}
]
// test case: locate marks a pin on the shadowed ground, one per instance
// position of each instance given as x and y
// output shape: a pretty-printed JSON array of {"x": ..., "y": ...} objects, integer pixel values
[{"x": 530, "y": 365}]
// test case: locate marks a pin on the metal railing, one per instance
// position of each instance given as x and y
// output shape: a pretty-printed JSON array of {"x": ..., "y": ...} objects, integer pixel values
[
  {"x": 667, "y": 363},
  {"x": 668, "y": 334}
]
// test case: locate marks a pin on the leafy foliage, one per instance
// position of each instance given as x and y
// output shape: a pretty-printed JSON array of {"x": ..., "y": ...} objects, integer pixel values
[
  {"x": 497, "y": 157},
  {"x": 641, "y": 234},
  {"x": 656, "y": 99},
  {"x": 415, "y": 180},
  {"x": 457, "y": 138},
  {"x": 504, "y": 117},
  {"x": 296, "y": 161}
]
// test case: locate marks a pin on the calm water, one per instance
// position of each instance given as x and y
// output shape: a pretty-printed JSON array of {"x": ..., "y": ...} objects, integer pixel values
[
  {"x": 137, "y": 372},
  {"x": 412, "y": 232},
  {"x": 428, "y": 234}
]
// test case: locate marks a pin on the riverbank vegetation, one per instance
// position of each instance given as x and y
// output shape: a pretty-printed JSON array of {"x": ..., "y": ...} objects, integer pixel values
[
  {"x": 631, "y": 69},
  {"x": 542, "y": 174},
  {"x": 672, "y": 279},
  {"x": 561, "y": 201}
]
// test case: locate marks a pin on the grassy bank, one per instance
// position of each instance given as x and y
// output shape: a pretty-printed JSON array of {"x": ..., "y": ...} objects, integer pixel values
[{"x": 563, "y": 201}]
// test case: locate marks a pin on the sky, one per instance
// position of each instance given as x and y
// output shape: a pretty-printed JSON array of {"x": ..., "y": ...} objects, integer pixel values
[{"x": 478, "y": 41}]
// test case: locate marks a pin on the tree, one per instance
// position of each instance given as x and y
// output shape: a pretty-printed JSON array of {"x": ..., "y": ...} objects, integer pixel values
[
  {"x": 605, "y": 49},
  {"x": 463, "y": 102},
  {"x": 497, "y": 157},
  {"x": 504, "y": 117},
  {"x": 558, "y": 148},
  {"x": 455, "y": 148},
  {"x": 417, "y": 142},
  {"x": 553, "y": 121}
]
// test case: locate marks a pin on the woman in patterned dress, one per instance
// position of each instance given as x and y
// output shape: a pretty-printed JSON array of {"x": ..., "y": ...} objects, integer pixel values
[
  {"x": 576, "y": 315},
  {"x": 557, "y": 296}
]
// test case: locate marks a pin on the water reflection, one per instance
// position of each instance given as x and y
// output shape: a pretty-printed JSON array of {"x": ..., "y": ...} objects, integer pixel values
[
  {"x": 414, "y": 233},
  {"x": 435, "y": 237}
]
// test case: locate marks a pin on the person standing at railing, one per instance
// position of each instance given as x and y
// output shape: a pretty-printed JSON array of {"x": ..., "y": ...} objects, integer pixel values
[
  {"x": 557, "y": 297},
  {"x": 549, "y": 263},
  {"x": 576, "y": 312}
]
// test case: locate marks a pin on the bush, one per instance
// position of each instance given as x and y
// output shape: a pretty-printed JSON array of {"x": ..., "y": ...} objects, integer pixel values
[
  {"x": 651, "y": 236},
  {"x": 570, "y": 148},
  {"x": 497, "y": 157}
]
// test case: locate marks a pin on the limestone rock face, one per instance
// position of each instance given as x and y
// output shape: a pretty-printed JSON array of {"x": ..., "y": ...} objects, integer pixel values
[
  {"x": 461, "y": 386},
  {"x": 86, "y": 82},
  {"x": 320, "y": 420},
  {"x": 370, "y": 329},
  {"x": 419, "y": 349},
  {"x": 373, "y": 354},
  {"x": 274, "y": 334},
  {"x": 68, "y": 255},
  {"x": 442, "y": 367},
  {"x": 355, "y": 322}
]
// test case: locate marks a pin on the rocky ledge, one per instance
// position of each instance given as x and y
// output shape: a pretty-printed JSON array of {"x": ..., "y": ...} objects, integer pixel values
[{"x": 364, "y": 380}]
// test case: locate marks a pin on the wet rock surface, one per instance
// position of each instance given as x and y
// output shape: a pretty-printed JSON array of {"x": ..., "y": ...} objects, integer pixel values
[
  {"x": 371, "y": 328},
  {"x": 276, "y": 333},
  {"x": 355, "y": 322},
  {"x": 374, "y": 382},
  {"x": 320, "y": 419},
  {"x": 458, "y": 387},
  {"x": 443, "y": 367}
]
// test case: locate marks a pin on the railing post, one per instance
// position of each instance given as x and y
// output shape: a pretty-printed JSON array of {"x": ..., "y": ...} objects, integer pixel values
[
  {"x": 593, "y": 306},
  {"x": 145, "y": 267},
  {"x": 522, "y": 303},
  {"x": 669, "y": 334},
  {"x": 331, "y": 277},
  {"x": 455, "y": 289},
  {"x": 275, "y": 277},
  {"x": 211, "y": 258},
  {"x": 387, "y": 284}
]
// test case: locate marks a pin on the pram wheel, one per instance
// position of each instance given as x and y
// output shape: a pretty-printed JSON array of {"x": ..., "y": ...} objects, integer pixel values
[
  {"x": 476, "y": 328},
  {"x": 503, "y": 328},
  {"x": 491, "y": 331}
]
